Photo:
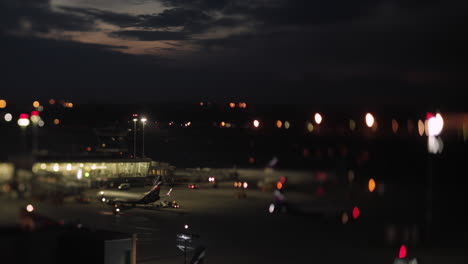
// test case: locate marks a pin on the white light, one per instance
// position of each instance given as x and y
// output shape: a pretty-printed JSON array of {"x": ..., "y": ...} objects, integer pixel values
[
  {"x": 23, "y": 122},
  {"x": 103, "y": 199},
  {"x": 35, "y": 119},
  {"x": 43, "y": 166},
  {"x": 435, "y": 125},
  {"x": 41, "y": 123},
  {"x": 56, "y": 167},
  {"x": 287, "y": 124},
  {"x": 369, "y": 120},
  {"x": 186, "y": 226},
  {"x": 256, "y": 123},
  {"x": 245, "y": 185},
  {"x": 69, "y": 167},
  {"x": 93, "y": 167},
  {"x": 435, "y": 144},
  {"x": 8, "y": 117},
  {"x": 117, "y": 210},
  {"x": 101, "y": 192},
  {"x": 135, "y": 119},
  {"x": 271, "y": 209},
  {"x": 79, "y": 175},
  {"x": 318, "y": 118},
  {"x": 143, "y": 120},
  {"x": 30, "y": 208}
]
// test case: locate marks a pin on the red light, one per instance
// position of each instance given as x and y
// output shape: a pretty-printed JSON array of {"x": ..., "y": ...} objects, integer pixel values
[
  {"x": 402, "y": 253},
  {"x": 24, "y": 116},
  {"x": 283, "y": 179},
  {"x": 251, "y": 160},
  {"x": 429, "y": 115},
  {"x": 34, "y": 113},
  {"x": 88, "y": 148},
  {"x": 321, "y": 191},
  {"x": 356, "y": 212}
]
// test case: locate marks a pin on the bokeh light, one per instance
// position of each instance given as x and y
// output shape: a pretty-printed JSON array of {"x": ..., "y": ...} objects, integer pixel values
[
  {"x": 56, "y": 121},
  {"x": 435, "y": 124},
  {"x": 310, "y": 127},
  {"x": 36, "y": 104},
  {"x": 402, "y": 252},
  {"x": 356, "y": 212},
  {"x": 8, "y": 117},
  {"x": 287, "y": 124},
  {"x": 421, "y": 127},
  {"x": 318, "y": 118},
  {"x": 279, "y": 124},
  {"x": 369, "y": 120},
  {"x": 3, "y": 103},
  {"x": 352, "y": 125},
  {"x": 394, "y": 126},
  {"x": 371, "y": 185},
  {"x": 256, "y": 123},
  {"x": 232, "y": 105},
  {"x": 344, "y": 218},
  {"x": 30, "y": 208}
]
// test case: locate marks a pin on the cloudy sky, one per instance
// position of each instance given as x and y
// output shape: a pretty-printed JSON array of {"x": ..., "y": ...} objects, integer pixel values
[{"x": 270, "y": 50}]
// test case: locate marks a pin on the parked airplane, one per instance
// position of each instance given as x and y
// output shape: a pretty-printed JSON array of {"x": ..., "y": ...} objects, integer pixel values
[{"x": 122, "y": 199}]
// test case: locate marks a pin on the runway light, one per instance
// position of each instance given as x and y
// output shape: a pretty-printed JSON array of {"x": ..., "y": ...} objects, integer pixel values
[
  {"x": 369, "y": 120},
  {"x": 356, "y": 212},
  {"x": 318, "y": 118},
  {"x": 3, "y": 103},
  {"x": 30, "y": 208},
  {"x": 371, "y": 185},
  {"x": 256, "y": 123},
  {"x": 279, "y": 124},
  {"x": 8, "y": 117},
  {"x": 402, "y": 253}
]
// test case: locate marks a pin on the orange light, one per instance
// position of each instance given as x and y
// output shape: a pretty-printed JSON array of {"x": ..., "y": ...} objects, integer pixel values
[
  {"x": 232, "y": 105},
  {"x": 421, "y": 127},
  {"x": 371, "y": 185},
  {"x": 52, "y": 101},
  {"x": 279, "y": 185},
  {"x": 3, "y": 103},
  {"x": 36, "y": 104},
  {"x": 279, "y": 124},
  {"x": 56, "y": 121},
  {"x": 223, "y": 124},
  {"x": 89, "y": 149},
  {"x": 344, "y": 218}
]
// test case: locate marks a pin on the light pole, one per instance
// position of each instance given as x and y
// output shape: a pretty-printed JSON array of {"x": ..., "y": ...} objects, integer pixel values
[
  {"x": 134, "y": 137},
  {"x": 143, "y": 121}
]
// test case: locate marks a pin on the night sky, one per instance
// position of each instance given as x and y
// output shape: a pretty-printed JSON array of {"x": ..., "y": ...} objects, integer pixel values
[{"x": 334, "y": 51}]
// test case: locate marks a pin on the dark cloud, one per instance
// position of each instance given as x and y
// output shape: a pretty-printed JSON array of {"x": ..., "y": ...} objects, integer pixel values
[
  {"x": 145, "y": 35},
  {"x": 118, "y": 19},
  {"x": 38, "y": 16}
]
